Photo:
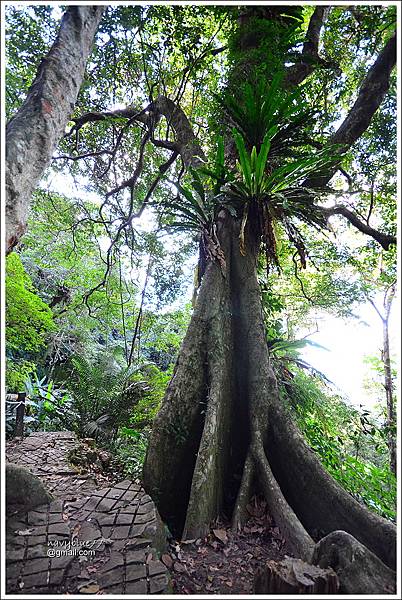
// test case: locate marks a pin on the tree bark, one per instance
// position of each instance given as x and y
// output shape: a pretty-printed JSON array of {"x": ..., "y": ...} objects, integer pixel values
[
  {"x": 19, "y": 415},
  {"x": 310, "y": 56},
  {"x": 34, "y": 131},
  {"x": 358, "y": 570},
  {"x": 389, "y": 392},
  {"x": 293, "y": 576},
  {"x": 391, "y": 421},
  {"x": 384, "y": 239},
  {"x": 222, "y": 413}
]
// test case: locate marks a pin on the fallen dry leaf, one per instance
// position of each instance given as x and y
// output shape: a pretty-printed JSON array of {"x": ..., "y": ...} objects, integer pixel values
[
  {"x": 179, "y": 568},
  {"x": 92, "y": 569},
  {"x": 89, "y": 588},
  {"x": 167, "y": 560},
  {"x": 75, "y": 531},
  {"x": 221, "y": 535}
]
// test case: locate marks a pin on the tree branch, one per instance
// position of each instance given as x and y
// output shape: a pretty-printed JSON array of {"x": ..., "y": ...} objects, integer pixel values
[
  {"x": 310, "y": 58},
  {"x": 371, "y": 94},
  {"x": 384, "y": 239},
  {"x": 137, "y": 172},
  {"x": 130, "y": 112},
  {"x": 186, "y": 142}
]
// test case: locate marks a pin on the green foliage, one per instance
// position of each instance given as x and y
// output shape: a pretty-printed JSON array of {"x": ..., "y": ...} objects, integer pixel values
[
  {"x": 349, "y": 442},
  {"x": 278, "y": 196},
  {"x": 162, "y": 335},
  {"x": 267, "y": 108},
  {"x": 29, "y": 319},
  {"x": 217, "y": 172},
  {"x": 149, "y": 404},
  {"x": 283, "y": 183},
  {"x": 49, "y": 407},
  {"x": 17, "y": 372},
  {"x": 28, "y": 323},
  {"x": 130, "y": 450},
  {"x": 258, "y": 46},
  {"x": 195, "y": 209},
  {"x": 103, "y": 393},
  {"x": 106, "y": 397},
  {"x": 252, "y": 168}
]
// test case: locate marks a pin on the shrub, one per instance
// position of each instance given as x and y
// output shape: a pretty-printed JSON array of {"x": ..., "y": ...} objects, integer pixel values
[
  {"x": 344, "y": 439},
  {"x": 28, "y": 321}
]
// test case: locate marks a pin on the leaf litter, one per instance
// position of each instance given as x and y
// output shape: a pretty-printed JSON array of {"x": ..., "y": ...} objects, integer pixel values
[{"x": 225, "y": 561}]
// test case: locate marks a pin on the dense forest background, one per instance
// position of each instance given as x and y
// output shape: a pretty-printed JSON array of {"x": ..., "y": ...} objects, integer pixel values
[{"x": 97, "y": 301}]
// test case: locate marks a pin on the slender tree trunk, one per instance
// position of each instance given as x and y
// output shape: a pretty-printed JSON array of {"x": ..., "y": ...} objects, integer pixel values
[
  {"x": 223, "y": 432},
  {"x": 391, "y": 420},
  {"x": 390, "y": 399},
  {"x": 34, "y": 131}
]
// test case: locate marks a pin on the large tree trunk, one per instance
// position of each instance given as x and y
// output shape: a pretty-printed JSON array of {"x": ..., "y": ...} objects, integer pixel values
[
  {"x": 223, "y": 432},
  {"x": 33, "y": 133}
]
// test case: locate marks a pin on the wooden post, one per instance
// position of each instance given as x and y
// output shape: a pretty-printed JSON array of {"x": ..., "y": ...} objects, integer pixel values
[{"x": 19, "y": 417}]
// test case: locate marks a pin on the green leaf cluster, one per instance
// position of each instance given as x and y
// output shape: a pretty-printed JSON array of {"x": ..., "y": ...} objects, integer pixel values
[
  {"x": 267, "y": 108},
  {"x": 354, "y": 454},
  {"x": 28, "y": 323}
]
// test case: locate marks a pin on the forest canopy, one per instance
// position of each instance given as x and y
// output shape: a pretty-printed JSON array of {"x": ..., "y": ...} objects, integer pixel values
[{"x": 187, "y": 188}]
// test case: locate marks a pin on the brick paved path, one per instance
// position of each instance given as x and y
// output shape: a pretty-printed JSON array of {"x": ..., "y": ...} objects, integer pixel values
[{"x": 86, "y": 540}]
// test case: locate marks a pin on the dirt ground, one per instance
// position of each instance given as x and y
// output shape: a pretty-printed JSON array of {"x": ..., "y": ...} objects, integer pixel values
[{"x": 224, "y": 561}]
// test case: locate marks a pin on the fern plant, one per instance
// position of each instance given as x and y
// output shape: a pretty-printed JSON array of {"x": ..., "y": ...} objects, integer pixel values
[
  {"x": 286, "y": 352},
  {"x": 104, "y": 394},
  {"x": 267, "y": 119},
  {"x": 197, "y": 208},
  {"x": 217, "y": 174},
  {"x": 266, "y": 106},
  {"x": 278, "y": 193}
]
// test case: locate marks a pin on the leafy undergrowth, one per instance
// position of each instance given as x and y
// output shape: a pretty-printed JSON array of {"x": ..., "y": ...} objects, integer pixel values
[{"x": 225, "y": 561}]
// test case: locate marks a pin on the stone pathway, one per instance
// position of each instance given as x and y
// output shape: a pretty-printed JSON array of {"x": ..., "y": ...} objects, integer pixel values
[{"x": 86, "y": 541}]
